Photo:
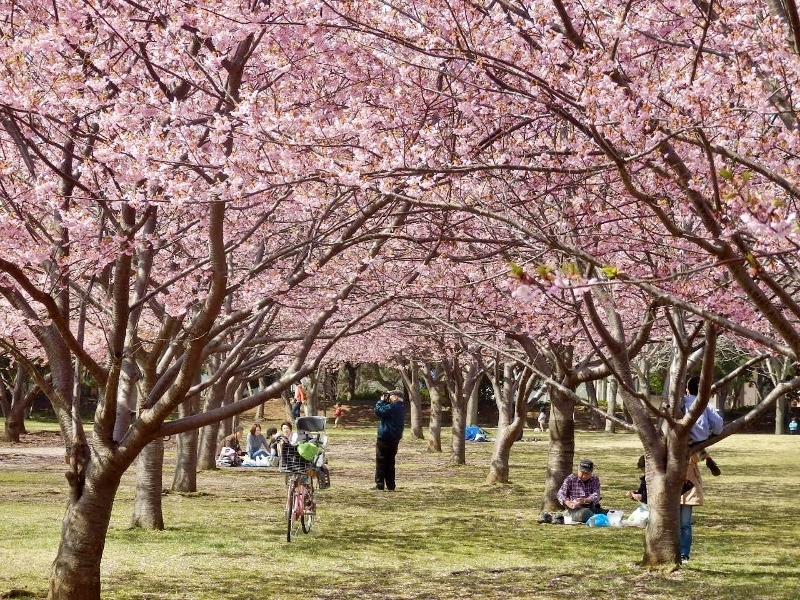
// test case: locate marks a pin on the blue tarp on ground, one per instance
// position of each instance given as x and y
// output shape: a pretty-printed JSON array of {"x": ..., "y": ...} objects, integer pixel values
[{"x": 473, "y": 433}]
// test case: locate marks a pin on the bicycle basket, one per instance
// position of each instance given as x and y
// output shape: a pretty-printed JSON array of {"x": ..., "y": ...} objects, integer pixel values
[{"x": 291, "y": 461}]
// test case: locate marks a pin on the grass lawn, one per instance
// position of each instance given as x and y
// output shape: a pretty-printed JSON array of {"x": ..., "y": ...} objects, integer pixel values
[{"x": 443, "y": 534}]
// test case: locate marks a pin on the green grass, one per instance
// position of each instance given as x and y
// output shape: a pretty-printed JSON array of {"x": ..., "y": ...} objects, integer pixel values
[{"x": 443, "y": 535}]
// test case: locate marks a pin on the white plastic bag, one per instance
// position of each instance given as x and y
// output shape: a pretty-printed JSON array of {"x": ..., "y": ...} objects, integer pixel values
[{"x": 640, "y": 516}]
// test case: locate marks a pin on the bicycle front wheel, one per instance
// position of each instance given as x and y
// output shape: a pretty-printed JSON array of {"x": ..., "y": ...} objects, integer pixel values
[
  {"x": 291, "y": 507},
  {"x": 310, "y": 508}
]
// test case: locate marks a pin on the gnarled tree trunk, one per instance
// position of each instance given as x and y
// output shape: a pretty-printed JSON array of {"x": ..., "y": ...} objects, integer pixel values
[
  {"x": 76, "y": 570},
  {"x": 510, "y": 400}
]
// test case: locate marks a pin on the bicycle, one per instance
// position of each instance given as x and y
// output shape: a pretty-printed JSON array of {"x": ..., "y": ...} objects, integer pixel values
[{"x": 301, "y": 493}]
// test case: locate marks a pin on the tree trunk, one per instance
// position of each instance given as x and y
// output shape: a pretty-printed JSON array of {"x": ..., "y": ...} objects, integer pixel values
[
  {"x": 611, "y": 426},
  {"x": 435, "y": 424},
  {"x": 314, "y": 392},
  {"x": 207, "y": 447},
  {"x": 350, "y": 375},
  {"x": 472, "y": 405},
  {"x": 595, "y": 418},
  {"x": 561, "y": 452},
  {"x": 219, "y": 394},
  {"x": 14, "y": 403},
  {"x": 410, "y": 374},
  {"x": 665, "y": 476},
  {"x": 15, "y": 418},
  {"x": 510, "y": 404},
  {"x": 287, "y": 404},
  {"x": 780, "y": 416},
  {"x": 458, "y": 452},
  {"x": 454, "y": 380},
  {"x": 76, "y": 569},
  {"x": 147, "y": 512},
  {"x": 185, "y": 477},
  {"x": 498, "y": 464},
  {"x": 126, "y": 398}
]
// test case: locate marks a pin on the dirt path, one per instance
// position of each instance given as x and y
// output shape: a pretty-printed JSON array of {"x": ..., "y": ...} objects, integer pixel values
[{"x": 37, "y": 450}]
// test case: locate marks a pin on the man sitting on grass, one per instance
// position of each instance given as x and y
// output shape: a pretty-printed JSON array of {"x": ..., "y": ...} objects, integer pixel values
[{"x": 580, "y": 493}]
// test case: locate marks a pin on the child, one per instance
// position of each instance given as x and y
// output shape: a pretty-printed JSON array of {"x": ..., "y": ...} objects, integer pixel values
[
  {"x": 337, "y": 414},
  {"x": 542, "y": 420}
]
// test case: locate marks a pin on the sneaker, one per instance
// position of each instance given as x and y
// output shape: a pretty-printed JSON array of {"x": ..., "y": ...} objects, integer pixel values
[
  {"x": 545, "y": 517},
  {"x": 376, "y": 488},
  {"x": 712, "y": 466},
  {"x": 684, "y": 558}
]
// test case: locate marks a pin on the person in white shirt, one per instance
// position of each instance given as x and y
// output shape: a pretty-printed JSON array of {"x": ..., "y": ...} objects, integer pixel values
[{"x": 709, "y": 423}]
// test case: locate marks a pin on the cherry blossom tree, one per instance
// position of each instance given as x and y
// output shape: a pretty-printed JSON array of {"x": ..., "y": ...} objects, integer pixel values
[
  {"x": 171, "y": 195},
  {"x": 653, "y": 142}
]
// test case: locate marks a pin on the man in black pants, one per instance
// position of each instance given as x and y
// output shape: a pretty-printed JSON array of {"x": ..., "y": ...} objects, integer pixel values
[{"x": 392, "y": 413}]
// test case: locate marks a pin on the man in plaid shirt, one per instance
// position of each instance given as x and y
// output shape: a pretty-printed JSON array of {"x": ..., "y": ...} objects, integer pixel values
[{"x": 580, "y": 493}]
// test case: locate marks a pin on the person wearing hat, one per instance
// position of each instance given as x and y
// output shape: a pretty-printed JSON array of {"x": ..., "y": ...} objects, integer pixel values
[
  {"x": 580, "y": 493},
  {"x": 392, "y": 414}
]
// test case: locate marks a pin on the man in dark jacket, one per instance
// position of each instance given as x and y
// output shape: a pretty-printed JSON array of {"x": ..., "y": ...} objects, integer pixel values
[{"x": 392, "y": 413}]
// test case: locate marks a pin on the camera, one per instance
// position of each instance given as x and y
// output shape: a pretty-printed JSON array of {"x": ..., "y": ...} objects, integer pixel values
[{"x": 385, "y": 396}]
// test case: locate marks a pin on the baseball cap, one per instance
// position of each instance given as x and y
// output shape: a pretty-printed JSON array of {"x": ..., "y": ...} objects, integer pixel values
[{"x": 586, "y": 466}]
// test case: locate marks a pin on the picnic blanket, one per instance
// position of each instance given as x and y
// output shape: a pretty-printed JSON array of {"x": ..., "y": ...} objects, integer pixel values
[{"x": 246, "y": 461}]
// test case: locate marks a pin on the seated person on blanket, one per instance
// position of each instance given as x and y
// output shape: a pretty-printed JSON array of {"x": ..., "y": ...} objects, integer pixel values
[
  {"x": 640, "y": 495},
  {"x": 284, "y": 436},
  {"x": 256, "y": 443},
  {"x": 272, "y": 433},
  {"x": 230, "y": 448},
  {"x": 580, "y": 493},
  {"x": 641, "y": 514}
]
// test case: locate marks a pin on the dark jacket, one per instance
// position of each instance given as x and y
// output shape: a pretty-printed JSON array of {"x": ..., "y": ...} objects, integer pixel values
[
  {"x": 393, "y": 417},
  {"x": 642, "y": 489}
]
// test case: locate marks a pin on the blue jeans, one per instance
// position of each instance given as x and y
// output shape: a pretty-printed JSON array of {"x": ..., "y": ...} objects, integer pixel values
[
  {"x": 259, "y": 452},
  {"x": 686, "y": 530}
]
